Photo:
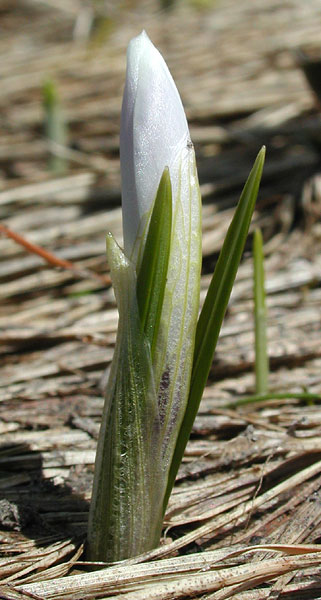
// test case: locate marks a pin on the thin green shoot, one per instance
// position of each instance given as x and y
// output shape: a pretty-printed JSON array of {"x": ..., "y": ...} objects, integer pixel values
[{"x": 260, "y": 315}]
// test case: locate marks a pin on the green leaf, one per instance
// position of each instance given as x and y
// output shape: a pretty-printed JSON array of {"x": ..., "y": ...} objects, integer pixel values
[
  {"x": 151, "y": 279},
  {"x": 261, "y": 354},
  {"x": 213, "y": 311},
  {"x": 125, "y": 516}
]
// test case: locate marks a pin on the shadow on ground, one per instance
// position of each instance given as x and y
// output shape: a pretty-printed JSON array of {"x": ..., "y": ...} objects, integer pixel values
[{"x": 33, "y": 505}]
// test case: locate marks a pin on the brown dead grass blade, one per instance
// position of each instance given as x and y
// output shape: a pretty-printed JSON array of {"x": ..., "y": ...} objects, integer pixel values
[{"x": 248, "y": 492}]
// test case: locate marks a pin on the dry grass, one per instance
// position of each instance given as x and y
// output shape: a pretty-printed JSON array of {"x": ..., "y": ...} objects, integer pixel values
[{"x": 244, "y": 517}]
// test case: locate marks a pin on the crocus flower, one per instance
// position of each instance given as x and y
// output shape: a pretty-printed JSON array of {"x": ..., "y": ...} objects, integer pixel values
[
  {"x": 146, "y": 395},
  {"x": 163, "y": 355}
]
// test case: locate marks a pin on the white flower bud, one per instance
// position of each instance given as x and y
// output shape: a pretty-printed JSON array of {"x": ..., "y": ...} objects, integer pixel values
[{"x": 153, "y": 135}]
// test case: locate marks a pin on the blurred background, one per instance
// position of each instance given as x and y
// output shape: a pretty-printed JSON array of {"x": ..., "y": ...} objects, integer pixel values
[{"x": 237, "y": 67}]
